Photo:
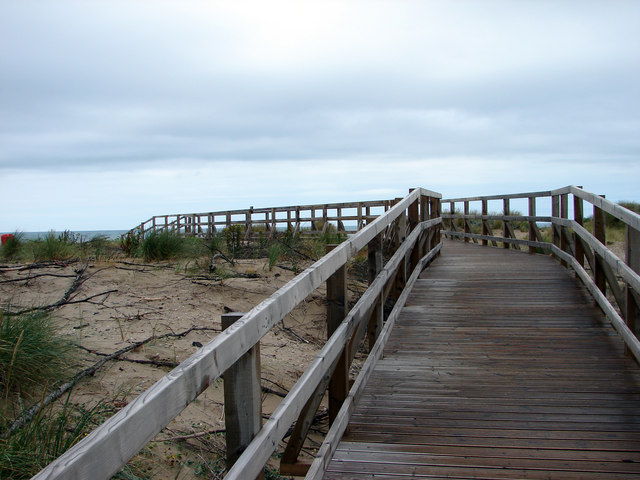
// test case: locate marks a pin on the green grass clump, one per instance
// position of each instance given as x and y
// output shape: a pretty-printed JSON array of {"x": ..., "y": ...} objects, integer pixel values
[
  {"x": 54, "y": 247},
  {"x": 32, "y": 447},
  {"x": 31, "y": 352},
  {"x": 165, "y": 245},
  {"x": 13, "y": 245}
]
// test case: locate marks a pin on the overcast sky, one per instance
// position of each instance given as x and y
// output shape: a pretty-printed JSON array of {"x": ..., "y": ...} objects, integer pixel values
[{"x": 114, "y": 111}]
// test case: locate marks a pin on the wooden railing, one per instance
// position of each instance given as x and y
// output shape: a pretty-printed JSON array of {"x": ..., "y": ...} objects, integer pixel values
[
  {"x": 413, "y": 226},
  {"x": 608, "y": 277},
  {"x": 313, "y": 218}
]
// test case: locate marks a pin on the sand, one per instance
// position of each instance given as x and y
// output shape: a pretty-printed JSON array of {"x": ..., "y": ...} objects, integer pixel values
[{"x": 170, "y": 297}]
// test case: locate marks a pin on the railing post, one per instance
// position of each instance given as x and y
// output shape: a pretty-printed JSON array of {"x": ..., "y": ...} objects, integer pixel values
[
  {"x": 467, "y": 228},
  {"x": 325, "y": 218},
  {"x": 340, "y": 223},
  {"x": 248, "y": 223},
  {"x": 298, "y": 226},
  {"x": 485, "y": 226},
  {"x": 274, "y": 222},
  {"x": 337, "y": 301},
  {"x": 532, "y": 223},
  {"x": 632, "y": 258},
  {"x": 600, "y": 233},
  {"x": 505, "y": 223},
  {"x": 564, "y": 213},
  {"x": 578, "y": 216},
  {"x": 374, "y": 258},
  {"x": 414, "y": 219},
  {"x": 242, "y": 398},
  {"x": 452, "y": 211},
  {"x": 555, "y": 213},
  {"x": 435, "y": 209}
]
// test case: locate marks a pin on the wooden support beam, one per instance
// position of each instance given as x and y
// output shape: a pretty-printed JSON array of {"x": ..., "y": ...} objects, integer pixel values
[
  {"x": 600, "y": 233},
  {"x": 564, "y": 213},
  {"x": 632, "y": 259},
  {"x": 289, "y": 459},
  {"x": 532, "y": 224},
  {"x": 337, "y": 306},
  {"x": 578, "y": 216},
  {"x": 414, "y": 220},
  {"x": 485, "y": 224},
  {"x": 242, "y": 398},
  {"x": 467, "y": 227},
  {"x": 506, "y": 231},
  {"x": 375, "y": 260},
  {"x": 424, "y": 208},
  {"x": 435, "y": 211}
]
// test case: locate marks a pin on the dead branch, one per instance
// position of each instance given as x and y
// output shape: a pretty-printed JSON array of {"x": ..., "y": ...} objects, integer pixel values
[
  {"x": 180, "y": 438},
  {"x": 33, "y": 266},
  {"x": 290, "y": 330},
  {"x": 31, "y": 277},
  {"x": 273, "y": 392},
  {"x": 133, "y": 264},
  {"x": 157, "y": 363}
]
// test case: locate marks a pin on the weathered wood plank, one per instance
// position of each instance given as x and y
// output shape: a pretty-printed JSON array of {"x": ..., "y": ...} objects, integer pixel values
[{"x": 473, "y": 387}]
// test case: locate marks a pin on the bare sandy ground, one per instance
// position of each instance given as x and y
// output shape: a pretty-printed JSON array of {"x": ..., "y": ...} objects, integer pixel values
[{"x": 129, "y": 301}]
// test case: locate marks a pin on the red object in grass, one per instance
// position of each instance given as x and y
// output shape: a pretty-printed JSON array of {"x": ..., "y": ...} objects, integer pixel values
[{"x": 5, "y": 238}]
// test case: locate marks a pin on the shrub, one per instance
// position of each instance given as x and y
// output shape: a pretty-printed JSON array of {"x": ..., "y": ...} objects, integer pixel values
[
  {"x": 31, "y": 352},
  {"x": 233, "y": 238},
  {"x": 130, "y": 243},
  {"x": 32, "y": 447},
  {"x": 98, "y": 246},
  {"x": 12, "y": 246},
  {"x": 52, "y": 247},
  {"x": 163, "y": 245}
]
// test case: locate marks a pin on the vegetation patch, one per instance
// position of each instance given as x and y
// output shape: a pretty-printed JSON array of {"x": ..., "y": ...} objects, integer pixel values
[{"x": 31, "y": 353}]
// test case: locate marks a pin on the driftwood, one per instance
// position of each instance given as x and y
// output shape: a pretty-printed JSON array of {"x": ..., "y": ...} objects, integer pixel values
[
  {"x": 31, "y": 277},
  {"x": 30, "y": 413},
  {"x": 181, "y": 438},
  {"x": 157, "y": 363},
  {"x": 33, "y": 266}
]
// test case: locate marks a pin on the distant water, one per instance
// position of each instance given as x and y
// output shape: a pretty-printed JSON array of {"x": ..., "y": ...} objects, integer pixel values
[{"x": 84, "y": 234}]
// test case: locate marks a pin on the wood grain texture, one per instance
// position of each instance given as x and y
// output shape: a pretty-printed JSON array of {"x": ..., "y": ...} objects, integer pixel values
[{"x": 500, "y": 367}]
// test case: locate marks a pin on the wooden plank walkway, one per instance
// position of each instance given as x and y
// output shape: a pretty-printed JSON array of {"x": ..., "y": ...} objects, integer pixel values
[{"x": 499, "y": 367}]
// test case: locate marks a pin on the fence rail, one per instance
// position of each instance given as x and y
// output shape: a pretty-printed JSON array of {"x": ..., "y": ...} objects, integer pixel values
[
  {"x": 608, "y": 277},
  {"x": 315, "y": 218},
  {"x": 412, "y": 227},
  {"x": 415, "y": 221}
]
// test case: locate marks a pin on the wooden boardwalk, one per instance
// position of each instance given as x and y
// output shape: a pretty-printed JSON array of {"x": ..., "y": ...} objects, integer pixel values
[{"x": 499, "y": 367}]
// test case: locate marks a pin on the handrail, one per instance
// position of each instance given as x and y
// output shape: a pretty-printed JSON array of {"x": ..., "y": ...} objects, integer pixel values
[
  {"x": 104, "y": 451},
  {"x": 205, "y": 223},
  {"x": 571, "y": 244},
  {"x": 273, "y": 431}
]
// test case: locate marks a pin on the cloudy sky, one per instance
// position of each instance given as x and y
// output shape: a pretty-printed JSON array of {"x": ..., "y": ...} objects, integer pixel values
[{"x": 113, "y": 111}]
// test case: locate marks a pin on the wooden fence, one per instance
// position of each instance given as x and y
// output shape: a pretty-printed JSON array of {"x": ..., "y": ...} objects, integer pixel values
[
  {"x": 314, "y": 218},
  {"x": 413, "y": 224},
  {"x": 607, "y": 276},
  {"x": 413, "y": 227}
]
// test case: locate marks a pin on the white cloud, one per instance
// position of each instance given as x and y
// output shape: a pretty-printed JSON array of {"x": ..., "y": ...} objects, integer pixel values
[{"x": 331, "y": 99}]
